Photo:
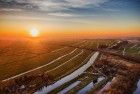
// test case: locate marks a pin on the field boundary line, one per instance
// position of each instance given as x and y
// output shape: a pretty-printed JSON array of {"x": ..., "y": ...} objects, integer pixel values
[
  {"x": 76, "y": 73},
  {"x": 66, "y": 61},
  {"x": 13, "y": 77},
  {"x": 56, "y": 50}
]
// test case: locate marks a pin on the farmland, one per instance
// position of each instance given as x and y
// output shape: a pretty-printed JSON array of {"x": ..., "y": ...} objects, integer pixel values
[{"x": 84, "y": 66}]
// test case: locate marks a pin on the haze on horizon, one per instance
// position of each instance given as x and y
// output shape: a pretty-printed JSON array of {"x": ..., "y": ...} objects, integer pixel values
[{"x": 70, "y": 18}]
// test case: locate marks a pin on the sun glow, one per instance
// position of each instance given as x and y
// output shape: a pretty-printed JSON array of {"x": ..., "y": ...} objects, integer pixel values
[{"x": 34, "y": 32}]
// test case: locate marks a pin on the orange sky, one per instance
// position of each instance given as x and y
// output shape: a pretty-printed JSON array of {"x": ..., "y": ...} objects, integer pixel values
[
  {"x": 101, "y": 29},
  {"x": 72, "y": 19},
  {"x": 72, "y": 35}
]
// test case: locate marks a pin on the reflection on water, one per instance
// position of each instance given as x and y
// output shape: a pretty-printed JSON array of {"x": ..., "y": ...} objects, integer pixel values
[
  {"x": 137, "y": 91},
  {"x": 107, "y": 86},
  {"x": 86, "y": 89},
  {"x": 90, "y": 86},
  {"x": 64, "y": 91},
  {"x": 70, "y": 77}
]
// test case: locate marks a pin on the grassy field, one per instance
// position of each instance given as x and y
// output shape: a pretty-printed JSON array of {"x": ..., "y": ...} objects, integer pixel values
[
  {"x": 66, "y": 67},
  {"x": 23, "y": 58},
  {"x": 38, "y": 63},
  {"x": 26, "y": 55}
]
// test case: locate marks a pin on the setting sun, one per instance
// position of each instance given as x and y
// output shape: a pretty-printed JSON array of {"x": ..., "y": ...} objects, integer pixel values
[{"x": 34, "y": 32}]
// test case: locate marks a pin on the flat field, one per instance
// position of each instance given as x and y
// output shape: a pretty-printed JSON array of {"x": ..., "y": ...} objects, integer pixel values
[{"x": 27, "y": 66}]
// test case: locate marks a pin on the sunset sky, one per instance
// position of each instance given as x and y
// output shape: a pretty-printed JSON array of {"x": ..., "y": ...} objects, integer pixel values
[{"x": 70, "y": 18}]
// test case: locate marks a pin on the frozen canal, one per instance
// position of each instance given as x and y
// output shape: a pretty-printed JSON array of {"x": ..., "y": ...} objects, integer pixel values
[
  {"x": 87, "y": 88},
  {"x": 70, "y": 77},
  {"x": 137, "y": 91}
]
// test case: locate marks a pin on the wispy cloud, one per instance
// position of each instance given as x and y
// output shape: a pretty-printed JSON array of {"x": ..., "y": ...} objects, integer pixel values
[
  {"x": 61, "y": 14},
  {"x": 60, "y": 3},
  {"x": 46, "y": 6},
  {"x": 68, "y": 8},
  {"x": 10, "y": 9}
]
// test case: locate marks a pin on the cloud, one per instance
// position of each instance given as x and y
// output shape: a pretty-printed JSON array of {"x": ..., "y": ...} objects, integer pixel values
[
  {"x": 61, "y": 14},
  {"x": 84, "y": 3},
  {"x": 7, "y": 10},
  {"x": 14, "y": 4},
  {"x": 49, "y": 5},
  {"x": 62, "y": 8}
]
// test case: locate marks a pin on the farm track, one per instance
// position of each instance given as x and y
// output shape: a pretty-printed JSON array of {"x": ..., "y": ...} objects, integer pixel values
[
  {"x": 63, "y": 64},
  {"x": 40, "y": 66},
  {"x": 58, "y": 63},
  {"x": 61, "y": 60},
  {"x": 20, "y": 64},
  {"x": 70, "y": 66},
  {"x": 16, "y": 53}
]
